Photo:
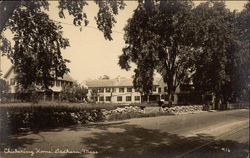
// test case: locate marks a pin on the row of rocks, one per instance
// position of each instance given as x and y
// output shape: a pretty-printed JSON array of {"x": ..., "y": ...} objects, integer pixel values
[
  {"x": 122, "y": 110},
  {"x": 183, "y": 109}
]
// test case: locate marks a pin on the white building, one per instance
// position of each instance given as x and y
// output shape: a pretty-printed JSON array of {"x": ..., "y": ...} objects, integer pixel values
[
  {"x": 120, "y": 90},
  {"x": 56, "y": 88}
]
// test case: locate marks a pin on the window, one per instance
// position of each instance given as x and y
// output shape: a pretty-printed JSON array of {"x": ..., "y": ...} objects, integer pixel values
[
  {"x": 159, "y": 89},
  {"x": 108, "y": 90},
  {"x": 128, "y": 98},
  {"x": 165, "y": 89},
  {"x": 58, "y": 83},
  {"x": 12, "y": 81},
  {"x": 119, "y": 98},
  {"x": 101, "y": 98},
  {"x": 129, "y": 89},
  {"x": 113, "y": 90},
  {"x": 154, "y": 89},
  {"x": 101, "y": 90},
  {"x": 137, "y": 98},
  {"x": 108, "y": 98},
  {"x": 121, "y": 90}
]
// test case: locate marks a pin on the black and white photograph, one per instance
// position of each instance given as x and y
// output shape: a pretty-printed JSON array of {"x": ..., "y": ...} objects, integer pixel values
[{"x": 124, "y": 78}]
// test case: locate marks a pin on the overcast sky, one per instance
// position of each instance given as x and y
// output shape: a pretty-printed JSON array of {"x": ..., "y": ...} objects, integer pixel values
[{"x": 90, "y": 54}]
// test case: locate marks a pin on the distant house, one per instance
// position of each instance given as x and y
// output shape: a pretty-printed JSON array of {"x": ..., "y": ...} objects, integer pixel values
[
  {"x": 120, "y": 90},
  {"x": 10, "y": 78}
]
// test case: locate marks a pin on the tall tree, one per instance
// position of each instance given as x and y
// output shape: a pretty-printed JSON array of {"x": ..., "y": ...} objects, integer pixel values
[
  {"x": 36, "y": 54},
  {"x": 215, "y": 37},
  {"x": 157, "y": 38},
  {"x": 240, "y": 58}
]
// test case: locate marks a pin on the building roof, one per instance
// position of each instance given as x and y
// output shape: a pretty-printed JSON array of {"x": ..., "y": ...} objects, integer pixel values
[
  {"x": 8, "y": 72},
  {"x": 66, "y": 77},
  {"x": 117, "y": 82}
]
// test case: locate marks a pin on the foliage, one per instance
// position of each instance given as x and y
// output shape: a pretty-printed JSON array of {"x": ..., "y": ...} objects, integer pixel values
[
  {"x": 214, "y": 36},
  {"x": 94, "y": 94},
  {"x": 38, "y": 43},
  {"x": 220, "y": 64},
  {"x": 208, "y": 44},
  {"x": 4, "y": 87},
  {"x": 38, "y": 40},
  {"x": 158, "y": 39},
  {"x": 239, "y": 66},
  {"x": 54, "y": 106},
  {"x": 74, "y": 93}
]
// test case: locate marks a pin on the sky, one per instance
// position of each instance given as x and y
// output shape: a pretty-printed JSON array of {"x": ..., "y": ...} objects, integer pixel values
[{"x": 90, "y": 54}]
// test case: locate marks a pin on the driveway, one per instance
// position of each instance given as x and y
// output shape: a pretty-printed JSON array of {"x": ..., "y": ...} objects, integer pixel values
[{"x": 207, "y": 134}]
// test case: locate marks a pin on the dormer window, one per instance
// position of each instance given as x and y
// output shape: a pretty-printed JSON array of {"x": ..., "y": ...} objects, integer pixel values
[{"x": 12, "y": 81}]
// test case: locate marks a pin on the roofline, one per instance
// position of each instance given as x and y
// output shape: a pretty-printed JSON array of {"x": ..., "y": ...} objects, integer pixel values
[
  {"x": 112, "y": 86},
  {"x": 12, "y": 67},
  {"x": 8, "y": 72}
]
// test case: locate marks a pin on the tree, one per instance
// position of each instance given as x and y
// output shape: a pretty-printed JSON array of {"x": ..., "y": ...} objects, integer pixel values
[
  {"x": 94, "y": 95},
  {"x": 4, "y": 88},
  {"x": 36, "y": 54},
  {"x": 74, "y": 93},
  {"x": 240, "y": 58},
  {"x": 215, "y": 37},
  {"x": 157, "y": 38},
  {"x": 105, "y": 16}
]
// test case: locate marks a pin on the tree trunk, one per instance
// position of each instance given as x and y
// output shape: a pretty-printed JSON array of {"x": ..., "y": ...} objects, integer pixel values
[
  {"x": 218, "y": 101},
  {"x": 170, "y": 93},
  {"x": 170, "y": 99}
]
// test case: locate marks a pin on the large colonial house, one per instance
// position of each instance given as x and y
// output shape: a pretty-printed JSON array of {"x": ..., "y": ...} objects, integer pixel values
[
  {"x": 55, "y": 89},
  {"x": 120, "y": 90}
]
